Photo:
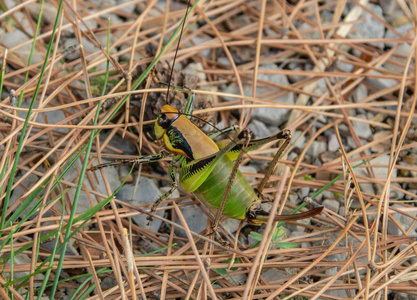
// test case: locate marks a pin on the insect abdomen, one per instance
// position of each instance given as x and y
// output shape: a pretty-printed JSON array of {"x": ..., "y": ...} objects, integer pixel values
[{"x": 241, "y": 196}]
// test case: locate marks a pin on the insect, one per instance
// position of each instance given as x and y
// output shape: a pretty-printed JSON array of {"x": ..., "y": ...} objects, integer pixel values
[{"x": 206, "y": 167}]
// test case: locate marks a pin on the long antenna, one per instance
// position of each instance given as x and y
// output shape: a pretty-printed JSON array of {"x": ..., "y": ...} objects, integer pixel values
[{"x": 176, "y": 52}]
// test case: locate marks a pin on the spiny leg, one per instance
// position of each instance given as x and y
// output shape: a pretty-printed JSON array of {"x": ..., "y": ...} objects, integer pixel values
[
  {"x": 283, "y": 135},
  {"x": 245, "y": 135},
  {"x": 218, "y": 133},
  {"x": 139, "y": 160},
  {"x": 174, "y": 186}
]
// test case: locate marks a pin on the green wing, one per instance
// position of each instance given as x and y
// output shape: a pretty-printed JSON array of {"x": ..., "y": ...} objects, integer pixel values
[{"x": 193, "y": 174}]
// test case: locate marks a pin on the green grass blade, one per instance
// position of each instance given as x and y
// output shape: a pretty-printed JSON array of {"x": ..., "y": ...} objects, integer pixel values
[{"x": 25, "y": 124}]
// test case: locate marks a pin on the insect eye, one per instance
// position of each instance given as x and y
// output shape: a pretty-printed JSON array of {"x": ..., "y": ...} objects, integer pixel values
[{"x": 163, "y": 121}]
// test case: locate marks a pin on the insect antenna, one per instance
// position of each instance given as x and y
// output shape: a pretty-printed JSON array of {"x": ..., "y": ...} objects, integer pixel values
[{"x": 176, "y": 52}]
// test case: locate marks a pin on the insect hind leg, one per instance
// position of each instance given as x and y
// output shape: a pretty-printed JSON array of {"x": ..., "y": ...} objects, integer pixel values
[{"x": 174, "y": 186}]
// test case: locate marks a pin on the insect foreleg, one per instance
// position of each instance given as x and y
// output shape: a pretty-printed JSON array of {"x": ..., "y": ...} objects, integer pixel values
[
  {"x": 174, "y": 186},
  {"x": 139, "y": 160}
]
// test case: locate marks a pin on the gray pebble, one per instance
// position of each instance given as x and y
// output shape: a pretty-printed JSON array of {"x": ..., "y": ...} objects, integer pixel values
[
  {"x": 195, "y": 217},
  {"x": 332, "y": 205},
  {"x": 146, "y": 193}
]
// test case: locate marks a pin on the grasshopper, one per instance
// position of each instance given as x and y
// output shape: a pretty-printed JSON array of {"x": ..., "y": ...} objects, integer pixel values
[{"x": 206, "y": 167}]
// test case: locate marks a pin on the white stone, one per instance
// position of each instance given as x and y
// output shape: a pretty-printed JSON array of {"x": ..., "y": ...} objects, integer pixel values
[
  {"x": 405, "y": 30},
  {"x": 370, "y": 28},
  {"x": 146, "y": 193},
  {"x": 362, "y": 129},
  {"x": 333, "y": 144},
  {"x": 195, "y": 217},
  {"x": 196, "y": 69},
  {"x": 316, "y": 148},
  {"x": 360, "y": 93},
  {"x": 16, "y": 38},
  {"x": 401, "y": 55},
  {"x": 298, "y": 143},
  {"x": 380, "y": 83},
  {"x": 259, "y": 129},
  {"x": 271, "y": 116},
  {"x": 383, "y": 146},
  {"x": 332, "y": 205},
  {"x": 403, "y": 220}
]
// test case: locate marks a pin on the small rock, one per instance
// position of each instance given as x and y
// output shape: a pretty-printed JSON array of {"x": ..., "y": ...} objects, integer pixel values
[
  {"x": 195, "y": 217},
  {"x": 331, "y": 271},
  {"x": 48, "y": 14},
  {"x": 298, "y": 227},
  {"x": 401, "y": 54},
  {"x": 333, "y": 205},
  {"x": 292, "y": 198},
  {"x": 197, "y": 70},
  {"x": 274, "y": 274},
  {"x": 403, "y": 220},
  {"x": 360, "y": 93},
  {"x": 362, "y": 129},
  {"x": 84, "y": 201},
  {"x": 303, "y": 192},
  {"x": 388, "y": 6},
  {"x": 328, "y": 156},
  {"x": 380, "y": 83},
  {"x": 346, "y": 67},
  {"x": 300, "y": 233},
  {"x": 307, "y": 31},
  {"x": 399, "y": 19},
  {"x": 298, "y": 140},
  {"x": 108, "y": 283},
  {"x": 396, "y": 194},
  {"x": 370, "y": 27},
  {"x": 16, "y": 38},
  {"x": 351, "y": 143},
  {"x": 50, "y": 243},
  {"x": 329, "y": 195},
  {"x": 316, "y": 148},
  {"x": 406, "y": 30},
  {"x": 73, "y": 42},
  {"x": 230, "y": 225},
  {"x": 271, "y": 116},
  {"x": 198, "y": 40},
  {"x": 239, "y": 279},
  {"x": 333, "y": 144},
  {"x": 367, "y": 188},
  {"x": 130, "y": 9},
  {"x": 259, "y": 129},
  {"x": 146, "y": 193},
  {"x": 121, "y": 144},
  {"x": 383, "y": 146},
  {"x": 295, "y": 67}
]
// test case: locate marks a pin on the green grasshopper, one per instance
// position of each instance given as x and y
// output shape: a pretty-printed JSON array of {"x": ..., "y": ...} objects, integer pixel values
[{"x": 206, "y": 167}]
